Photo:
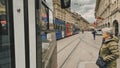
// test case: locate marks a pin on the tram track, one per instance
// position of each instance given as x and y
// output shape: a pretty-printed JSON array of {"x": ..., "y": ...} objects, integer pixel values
[
  {"x": 89, "y": 44},
  {"x": 83, "y": 39},
  {"x": 67, "y": 45},
  {"x": 64, "y": 62},
  {"x": 69, "y": 55}
]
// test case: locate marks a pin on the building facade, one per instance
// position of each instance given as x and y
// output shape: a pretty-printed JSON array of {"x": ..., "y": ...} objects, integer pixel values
[
  {"x": 67, "y": 16},
  {"x": 107, "y": 13}
]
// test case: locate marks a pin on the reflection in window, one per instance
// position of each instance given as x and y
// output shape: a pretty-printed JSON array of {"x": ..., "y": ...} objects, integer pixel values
[
  {"x": 47, "y": 26},
  {"x": 44, "y": 22},
  {"x": 50, "y": 4},
  {"x": 51, "y": 24},
  {"x": 44, "y": 14},
  {"x": 45, "y": 36},
  {"x": 5, "y": 59}
]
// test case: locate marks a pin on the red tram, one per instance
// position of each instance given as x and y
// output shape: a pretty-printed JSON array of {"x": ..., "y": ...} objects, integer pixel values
[{"x": 68, "y": 29}]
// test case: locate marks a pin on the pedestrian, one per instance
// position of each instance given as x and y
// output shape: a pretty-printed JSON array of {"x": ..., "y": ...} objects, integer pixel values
[
  {"x": 109, "y": 51},
  {"x": 82, "y": 31},
  {"x": 94, "y": 34}
]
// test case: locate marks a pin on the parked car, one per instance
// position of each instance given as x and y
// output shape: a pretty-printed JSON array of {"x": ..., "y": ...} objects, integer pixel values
[{"x": 98, "y": 32}]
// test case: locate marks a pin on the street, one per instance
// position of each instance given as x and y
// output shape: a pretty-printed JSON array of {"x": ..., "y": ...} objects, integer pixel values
[
  {"x": 58, "y": 33},
  {"x": 78, "y": 51}
]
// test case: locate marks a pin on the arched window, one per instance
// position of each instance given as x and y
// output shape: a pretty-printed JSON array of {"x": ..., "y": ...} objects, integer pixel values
[
  {"x": 116, "y": 27},
  {"x": 108, "y": 24}
]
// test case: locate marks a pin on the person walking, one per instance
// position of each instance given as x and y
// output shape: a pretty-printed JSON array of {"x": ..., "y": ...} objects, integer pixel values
[
  {"x": 109, "y": 51},
  {"x": 82, "y": 31},
  {"x": 94, "y": 34}
]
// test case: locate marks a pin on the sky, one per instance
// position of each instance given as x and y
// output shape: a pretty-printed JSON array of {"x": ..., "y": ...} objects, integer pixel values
[{"x": 86, "y": 8}]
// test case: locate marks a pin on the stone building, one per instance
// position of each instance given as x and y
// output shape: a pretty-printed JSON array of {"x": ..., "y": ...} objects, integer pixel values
[
  {"x": 85, "y": 24},
  {"x": 67, "y": 16},
  {"x": 107, "y": 13}
]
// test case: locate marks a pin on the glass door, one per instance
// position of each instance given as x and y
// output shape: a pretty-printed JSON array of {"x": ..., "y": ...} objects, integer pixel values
[{"x": 6, "y": 37}]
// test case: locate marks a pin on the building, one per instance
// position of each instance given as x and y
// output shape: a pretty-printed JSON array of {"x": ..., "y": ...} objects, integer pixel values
[
  {"x": 107, "y": 13},
  {"x": 84, "y": 24},
  {"x": 67, "y": 16}
]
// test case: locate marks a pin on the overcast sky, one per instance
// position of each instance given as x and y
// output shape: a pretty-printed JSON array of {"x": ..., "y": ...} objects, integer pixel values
[{"x": 85, "y": 8}]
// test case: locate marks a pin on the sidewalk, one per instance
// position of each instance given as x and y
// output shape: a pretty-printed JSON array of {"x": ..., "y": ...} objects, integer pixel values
[
  {"x": 88, "y": 41},
  {"x": 93, "y": 65}
]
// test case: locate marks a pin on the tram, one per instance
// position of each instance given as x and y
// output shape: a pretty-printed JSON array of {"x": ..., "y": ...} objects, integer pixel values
[
  {"x": 76, "y": 29},
  {"x": 59, "y": 28},
  {"x": 69, "y": 29},
  {"x": 27, "y": 35}
]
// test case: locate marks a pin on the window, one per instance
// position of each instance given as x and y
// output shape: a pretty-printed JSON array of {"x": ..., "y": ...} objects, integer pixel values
[
  {"x": 51, "y": 25},
  {"x": 63, "y": 28},
  {"x": 45, "y": 33},
  {"x": 44, "y": 14},
  {"x": 5, "y": 44}
]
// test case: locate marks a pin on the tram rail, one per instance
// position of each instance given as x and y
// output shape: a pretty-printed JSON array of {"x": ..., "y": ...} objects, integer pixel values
[
  {"x": 67, "y": 45},
  {"x": 71, "y": 52}
]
